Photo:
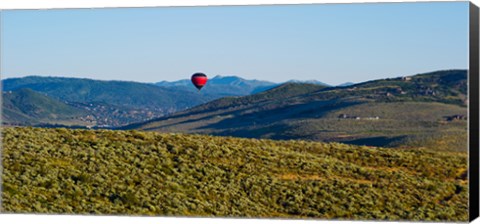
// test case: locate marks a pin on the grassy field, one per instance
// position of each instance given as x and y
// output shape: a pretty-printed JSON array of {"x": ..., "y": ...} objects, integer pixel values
[{"x": 146, "y": 173}]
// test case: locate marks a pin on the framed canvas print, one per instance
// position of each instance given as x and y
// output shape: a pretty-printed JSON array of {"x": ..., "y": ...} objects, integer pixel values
[{"x": 360, "y": 112}]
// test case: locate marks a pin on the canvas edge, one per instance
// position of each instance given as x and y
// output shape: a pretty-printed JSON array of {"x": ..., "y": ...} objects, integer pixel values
[{"x": 473, "y": 112}]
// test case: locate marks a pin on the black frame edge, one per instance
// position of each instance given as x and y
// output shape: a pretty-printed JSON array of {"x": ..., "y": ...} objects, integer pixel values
[{"x": 473, "y": 113}]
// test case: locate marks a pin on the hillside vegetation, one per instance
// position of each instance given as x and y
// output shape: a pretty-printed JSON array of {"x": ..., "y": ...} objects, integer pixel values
[{"x": 147, "y": 173}]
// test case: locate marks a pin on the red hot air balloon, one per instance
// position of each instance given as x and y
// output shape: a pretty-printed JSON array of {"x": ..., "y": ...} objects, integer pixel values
[{"x": 199, "y": 80}]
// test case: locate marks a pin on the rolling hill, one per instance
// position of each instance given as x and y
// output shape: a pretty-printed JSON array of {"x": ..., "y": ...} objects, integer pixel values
[
  {"x": 411, "y": 110},
  {"x": 25, "y": 106},
  {"x": 109, "y": 172}
]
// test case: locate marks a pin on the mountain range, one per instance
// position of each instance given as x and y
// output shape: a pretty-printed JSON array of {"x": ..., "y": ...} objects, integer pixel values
[
  {"x": 110, "y": 103},
  {"x": 107, "y": 103},
  {"x": 234, "y": 86}
]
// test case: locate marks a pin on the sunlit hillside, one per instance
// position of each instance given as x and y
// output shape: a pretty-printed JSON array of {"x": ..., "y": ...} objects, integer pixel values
[{"x": 146, "y": 173}]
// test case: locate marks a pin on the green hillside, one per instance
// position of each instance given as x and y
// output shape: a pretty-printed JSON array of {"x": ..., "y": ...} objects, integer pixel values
[
  {"x": 147, "y": 173},
  {"x": 121, "y": 93},
  {"x": 275, "y": 95},
  {"x": 25, "y": 106},
  {"x": 405, "y": 111}
]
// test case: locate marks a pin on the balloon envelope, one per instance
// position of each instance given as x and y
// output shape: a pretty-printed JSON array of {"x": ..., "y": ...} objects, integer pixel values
[{"x": 199, "y": 80}]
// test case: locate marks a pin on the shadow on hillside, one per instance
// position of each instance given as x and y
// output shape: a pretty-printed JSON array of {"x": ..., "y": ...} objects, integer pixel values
[
  {"x": 253, "y": 118},
  {"x": 380, "y": 141}
]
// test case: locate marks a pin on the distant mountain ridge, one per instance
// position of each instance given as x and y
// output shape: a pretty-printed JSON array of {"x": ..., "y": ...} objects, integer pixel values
[
  {"x": 219, "y": 80},
  {"x": 222, "y": 86},
  {"x": 110, "y": 103},
  {"x": 114, "y": 92},
  {"x": 347, "y": 84},
  {"x": 233, "y": 85},
  {"x": 316, "y": 82}
]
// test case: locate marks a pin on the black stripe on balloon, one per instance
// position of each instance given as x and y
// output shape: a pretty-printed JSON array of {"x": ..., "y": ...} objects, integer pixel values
[{"x": 199, "y": 74}]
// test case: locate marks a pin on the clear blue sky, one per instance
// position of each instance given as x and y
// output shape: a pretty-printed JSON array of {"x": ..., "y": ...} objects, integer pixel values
[{"x": 332, "y": 43}]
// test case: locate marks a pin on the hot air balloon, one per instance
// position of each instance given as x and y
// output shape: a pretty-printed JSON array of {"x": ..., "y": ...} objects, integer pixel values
[{"x": 199, "y": 80}]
